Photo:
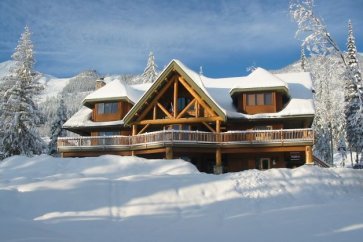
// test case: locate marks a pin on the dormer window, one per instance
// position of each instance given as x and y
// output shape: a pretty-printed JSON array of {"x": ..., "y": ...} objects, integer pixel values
[
  {"x": 259, "y": 99},
  {"x": 105, "y": 108}
]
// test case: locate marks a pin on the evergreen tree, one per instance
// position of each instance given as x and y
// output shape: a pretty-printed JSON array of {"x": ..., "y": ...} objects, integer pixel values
[
  {"x": 20, "y": 115},
  {"x": 150, "y": 73},
  {"x": 56, "y": 129},
  {"x": 353, "y": 97}
]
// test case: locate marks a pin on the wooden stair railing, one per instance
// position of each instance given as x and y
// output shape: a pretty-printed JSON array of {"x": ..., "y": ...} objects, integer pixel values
[{"x": 321, "y": 163}]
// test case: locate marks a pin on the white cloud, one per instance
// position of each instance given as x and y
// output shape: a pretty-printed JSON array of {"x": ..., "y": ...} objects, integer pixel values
[{"x": 116, "y": 36}]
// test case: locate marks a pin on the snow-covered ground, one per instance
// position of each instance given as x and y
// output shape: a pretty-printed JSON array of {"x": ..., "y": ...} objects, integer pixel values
[{"x": 112, "y": 198}]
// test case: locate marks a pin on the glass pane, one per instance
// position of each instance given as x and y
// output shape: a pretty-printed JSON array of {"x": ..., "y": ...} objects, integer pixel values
[
  {"x": 107, "y": 107},
  {"x": 113, "y": 107},
  {"x": 251, "y": 99},
  {"x": 268, "y": 98},
  {"x": 260, "y": 99},
  {"x": 100, "y": 108}
]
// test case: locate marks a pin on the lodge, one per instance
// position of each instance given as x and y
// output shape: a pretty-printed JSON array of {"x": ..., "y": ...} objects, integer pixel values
[{"x": 259, "y": 121}]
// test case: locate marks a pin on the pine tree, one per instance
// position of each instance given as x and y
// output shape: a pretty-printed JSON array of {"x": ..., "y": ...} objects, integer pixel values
[
  {"x": 150, "y": 73},
  {"x": 20, "y": 115},
  {"x": 353, "y": 97},
  {"x": 56, "y": 129}
]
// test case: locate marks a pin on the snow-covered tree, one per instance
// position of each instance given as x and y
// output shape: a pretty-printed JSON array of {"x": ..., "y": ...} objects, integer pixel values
[
  {"x": 320, "y": 44},
  {"x": 56, "y": 129},
  {"x": 19, "y": 113},
  {"x": 303, "y": 59},
  {"x": 150, "y": 73},
  {"x": 353, "y": 97}
]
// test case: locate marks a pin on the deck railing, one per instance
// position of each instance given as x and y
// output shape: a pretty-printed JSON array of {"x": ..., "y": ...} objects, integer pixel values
[{"x": 197, "y": 137}]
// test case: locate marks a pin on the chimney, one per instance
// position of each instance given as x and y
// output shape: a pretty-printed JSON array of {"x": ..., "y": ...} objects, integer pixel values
[{"x": 100, "y": 83}]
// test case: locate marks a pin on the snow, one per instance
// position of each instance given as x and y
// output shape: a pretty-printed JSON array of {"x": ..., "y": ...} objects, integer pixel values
[
  {"x": 82, "y": 118},
  {"x": 52, "y": 86},
  {"x": 259, "y": 79},
  {"x": 115, "y": 90},
  {"x": 112, "y": 198}
]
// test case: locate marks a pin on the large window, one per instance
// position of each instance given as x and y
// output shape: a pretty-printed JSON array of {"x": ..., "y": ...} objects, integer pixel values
[
  {"x": 105, "y": 108},
  {"x": 182, "y": 103},
  {"x": 259, "y": 99}
]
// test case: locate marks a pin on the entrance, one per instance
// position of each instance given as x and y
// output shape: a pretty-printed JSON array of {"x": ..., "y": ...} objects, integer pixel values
[{"x": 265, "y": 163}]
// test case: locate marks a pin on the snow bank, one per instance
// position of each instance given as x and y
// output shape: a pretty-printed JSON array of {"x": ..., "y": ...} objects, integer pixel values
[{"x": 112, "y": 198}]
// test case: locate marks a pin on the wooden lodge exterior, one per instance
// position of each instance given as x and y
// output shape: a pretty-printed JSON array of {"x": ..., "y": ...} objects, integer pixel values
[{"x": 260, "y": 121}]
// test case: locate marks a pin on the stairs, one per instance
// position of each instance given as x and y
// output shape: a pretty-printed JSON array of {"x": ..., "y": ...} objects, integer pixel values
[{"x": 321, "y": 163}]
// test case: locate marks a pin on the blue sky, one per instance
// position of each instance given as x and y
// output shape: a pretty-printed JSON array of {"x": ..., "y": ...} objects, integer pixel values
[{"x": 115, "y": 36}]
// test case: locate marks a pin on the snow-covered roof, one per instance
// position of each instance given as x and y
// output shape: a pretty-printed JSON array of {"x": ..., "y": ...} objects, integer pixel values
[
  {"x": 217, "y": 92},
  {"x": 258, "y": 80},
  {"x": 299, "y": 88},
  {"x": 82, "y": 119},
  {"x": 116, "y": 90}
]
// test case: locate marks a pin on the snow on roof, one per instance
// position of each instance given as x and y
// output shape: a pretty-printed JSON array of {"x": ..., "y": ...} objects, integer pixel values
[
  {"x": 117, "y": 90},
  {"x": 82, "y": 119},
  {"x": 217, "y": 90},
  {"x": 259, "y": 79}
]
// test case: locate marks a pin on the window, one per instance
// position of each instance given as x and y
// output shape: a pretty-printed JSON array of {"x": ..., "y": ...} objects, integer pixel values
[
  {"x": 259, "y": 99},
  {"x": 105, "y": 108},
  {"x": 268, "y": 98},
  {"x": 251, "y": 99},
  {"x": 182, "y": 103}
]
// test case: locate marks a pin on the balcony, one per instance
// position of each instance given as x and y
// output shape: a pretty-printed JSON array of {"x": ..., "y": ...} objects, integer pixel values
[{"x": 286, "y": 137}]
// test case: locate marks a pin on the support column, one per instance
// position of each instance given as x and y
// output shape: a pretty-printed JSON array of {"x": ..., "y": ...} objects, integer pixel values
[
  {"x": 169, "y": 153},
  {"x": 308, "y": 155},
  {"x": 134, "y": 132},
  {"x": 175, "y": 108},
  {"x": 218, "y": 168}
]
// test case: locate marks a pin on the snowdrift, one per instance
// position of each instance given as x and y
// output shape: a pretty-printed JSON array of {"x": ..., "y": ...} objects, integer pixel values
[{"x": 112, "y": 198}]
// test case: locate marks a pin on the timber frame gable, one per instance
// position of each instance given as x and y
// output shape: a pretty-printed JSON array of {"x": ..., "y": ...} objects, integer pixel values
[{"x": 175, "y": 98}]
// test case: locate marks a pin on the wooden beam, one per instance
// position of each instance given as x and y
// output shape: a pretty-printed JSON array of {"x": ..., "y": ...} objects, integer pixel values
[
  {"x": 164, "y": 110},
  {"x": 178, "y": 121},
  {"x": 156, "y": 99},
  {"x": 271, "y": 149},
  {"x": 209, "y": 127},
  {"x": 134, "y": 129},
  {"x": 186, "y": 108},
  {"x": 154, "y": 112},
  {"x": 195, "y": 95},
  {"x": 175, "y": 94},
  {"x": 218, "y": 126},
  {"x": 143, "y": 129}
]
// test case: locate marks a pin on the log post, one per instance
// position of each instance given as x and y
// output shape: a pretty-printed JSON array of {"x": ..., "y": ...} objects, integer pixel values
[
  {"x": 134, "y": 132},
  {"x": 169, "y": 153},
  {"x": 218, "y": 168},
  {"x": 308, "y": 156},
  {"x": 175, "y": 107}
]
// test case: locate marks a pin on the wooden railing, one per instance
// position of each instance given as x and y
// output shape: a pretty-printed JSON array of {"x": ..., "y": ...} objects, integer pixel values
[
  {"x": 196, "y": 137},
  {"x": 321, "y": 163}
]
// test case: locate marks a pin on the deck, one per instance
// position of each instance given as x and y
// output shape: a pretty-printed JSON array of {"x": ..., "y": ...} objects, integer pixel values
[{"x": 255, "y": 138}]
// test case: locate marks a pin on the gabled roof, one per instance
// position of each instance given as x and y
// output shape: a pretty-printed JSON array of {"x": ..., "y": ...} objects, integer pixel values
[
  {"x": 114, "y": 91},
  {"x": 260, "y": 80},
  {"x": 190, "y": 77}
]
